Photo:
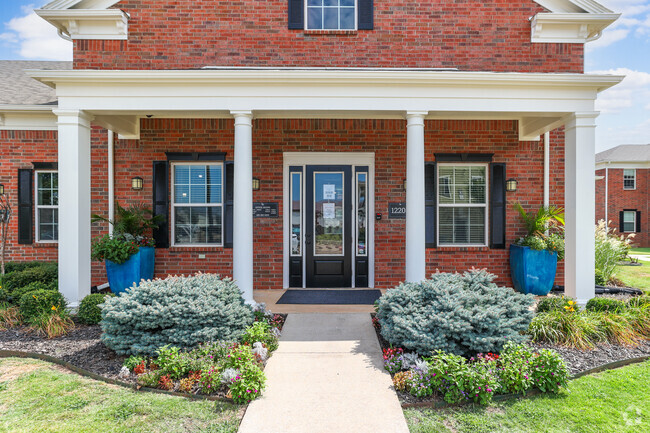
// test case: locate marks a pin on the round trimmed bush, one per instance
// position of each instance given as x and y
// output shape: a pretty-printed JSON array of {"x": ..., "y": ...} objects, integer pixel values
[
  {"x": 38, "y": 302},
  {"x": 608, "y": 305},
  {"x": 89, "y": 311},
  {"x": 550, "y": 303},
  {"x": 458, "y": 313},
  {"x": 17, "y": 294},
  {"x": 179, "y": 311}
]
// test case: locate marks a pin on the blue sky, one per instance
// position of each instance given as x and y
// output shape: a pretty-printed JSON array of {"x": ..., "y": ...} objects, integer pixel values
[{"x": 623, "y": 49}]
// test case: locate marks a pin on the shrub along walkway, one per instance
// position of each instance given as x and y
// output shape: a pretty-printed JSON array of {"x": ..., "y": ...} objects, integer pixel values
[{"x": 326, "y": 376}]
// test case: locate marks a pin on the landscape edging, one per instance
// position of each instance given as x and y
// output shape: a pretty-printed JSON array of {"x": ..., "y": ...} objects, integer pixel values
[
  {"x": 505, "y": 397},
  {"x": 95, "y": 376}
]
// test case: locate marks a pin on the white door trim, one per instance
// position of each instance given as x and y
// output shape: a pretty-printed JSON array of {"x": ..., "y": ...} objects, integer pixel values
[{"x": 354, "y": 159}]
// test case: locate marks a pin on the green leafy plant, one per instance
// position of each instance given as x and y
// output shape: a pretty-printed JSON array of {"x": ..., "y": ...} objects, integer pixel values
[
  {"x": 149, "y": 379},
  {"x": 135, "y": 221},
  {"x": 89, "y": 311},
  {"x": 260, "y": 331},
  {"x": 46, "y": 273},
  {"x": 132, "y": 361},
  {"x": 611, "y": 249},
  {"x": 544, "y": 229},
  {"x": 116, "y": 249},
  {"x": 549, "y": 372},
  {"x": 251, "y": 380},
  {"x": 458, "y": 313},
  {"x": 36, "y": 303},
  {"x": 514, "y": 372},
  {"x": 179, "y": 311},
  {"x": 457, "y": 380}
]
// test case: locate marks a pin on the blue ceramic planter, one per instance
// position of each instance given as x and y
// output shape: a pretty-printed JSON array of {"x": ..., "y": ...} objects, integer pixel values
[
  {"x": 532, "y": 271},
  {"x": 139, "y": 267}
]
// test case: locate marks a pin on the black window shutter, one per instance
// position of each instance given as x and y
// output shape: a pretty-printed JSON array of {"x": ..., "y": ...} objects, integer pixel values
[
  {"x": 498, "y": 206},
  {"x": 621, "y": 221},
  {"x": 230, "y": 170},
  {"x": 638, "y": 221},
  {"x": 296, "y": 14},
  {"x": 366, "y": 15},
  {"x": 25, "y": 206},
  {"x": 161, "y": 202},
  {"x": 430, "y": 197}
]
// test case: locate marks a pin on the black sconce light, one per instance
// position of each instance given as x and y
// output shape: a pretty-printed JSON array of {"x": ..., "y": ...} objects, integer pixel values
[
  {"x": 137, "y": 184},
  {"x": 511, "y": 185},
  {"x": 256, "y": 184}
]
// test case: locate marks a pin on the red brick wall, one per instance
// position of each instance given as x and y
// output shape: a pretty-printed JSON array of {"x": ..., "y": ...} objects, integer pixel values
[
  {"x": 18, "y": 150},
  {"x": 490, "y": 35},
  {"x": 621, "y": 199},
  {"x": 387, "y": 139}
]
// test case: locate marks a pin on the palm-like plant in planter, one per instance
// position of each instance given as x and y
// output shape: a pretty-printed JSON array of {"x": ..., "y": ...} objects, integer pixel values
[
  {"x": 533, "y": 258},
  {"x": 129, "y": 253}
]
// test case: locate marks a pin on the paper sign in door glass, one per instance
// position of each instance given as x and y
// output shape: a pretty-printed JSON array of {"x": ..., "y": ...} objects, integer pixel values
[
  {"x": 362, "y": 219},
  {"x": 296, "y": 214},
  {"x": 328, "y": 214}
]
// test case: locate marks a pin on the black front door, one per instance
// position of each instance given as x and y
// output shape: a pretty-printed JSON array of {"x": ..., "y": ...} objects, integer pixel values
[{"x": 328, "y": 233}]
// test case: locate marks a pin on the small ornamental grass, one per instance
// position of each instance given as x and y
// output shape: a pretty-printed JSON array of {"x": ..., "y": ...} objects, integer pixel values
[
  {"x": 177, "y": 311},
  {"x": 457, "y": 313}
]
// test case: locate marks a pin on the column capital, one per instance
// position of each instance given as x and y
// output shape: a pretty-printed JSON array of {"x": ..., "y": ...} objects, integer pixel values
[
  {"x": 581, "y": 119},
  {"x": 415, "y": 117},
  {"x": 73, "y": 117},
  {"x": 242, "y": 117}
]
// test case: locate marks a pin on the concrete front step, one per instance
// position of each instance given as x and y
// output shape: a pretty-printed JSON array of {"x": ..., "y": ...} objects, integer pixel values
[{"x": 326, "y": 376}]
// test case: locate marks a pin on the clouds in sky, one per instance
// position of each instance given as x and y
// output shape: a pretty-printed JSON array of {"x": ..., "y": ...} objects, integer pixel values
[
  {"x": 634, "y": 21},
  {"x": 34, "y": 38}
]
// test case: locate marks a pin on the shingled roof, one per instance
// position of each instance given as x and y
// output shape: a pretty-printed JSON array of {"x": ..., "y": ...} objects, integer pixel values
[
  {"x": 625, "y": 153},
  {"x": 16, "y": 88}
]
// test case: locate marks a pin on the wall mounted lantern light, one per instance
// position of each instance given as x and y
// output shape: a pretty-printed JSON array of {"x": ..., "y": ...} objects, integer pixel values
[
  {"x": 511, "y": 185},
  {"x": 256, "y": 184},
  {"x": 137, "y": 184}
]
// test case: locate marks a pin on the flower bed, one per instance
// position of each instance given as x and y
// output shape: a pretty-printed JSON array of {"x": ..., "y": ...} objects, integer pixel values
[{"x": 230, "y": 369}]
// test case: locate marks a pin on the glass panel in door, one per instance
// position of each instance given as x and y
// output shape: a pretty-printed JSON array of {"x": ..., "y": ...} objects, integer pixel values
[{"x": 328, "y": 214}]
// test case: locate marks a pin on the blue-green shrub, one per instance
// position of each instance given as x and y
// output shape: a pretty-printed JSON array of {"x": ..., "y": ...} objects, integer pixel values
[
  {"x": 177, "y": 311},
  {"x": 457, "y": 313}
]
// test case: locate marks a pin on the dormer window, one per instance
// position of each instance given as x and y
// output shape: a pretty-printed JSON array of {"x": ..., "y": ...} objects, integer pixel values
[{"x": 331, "y": 14}]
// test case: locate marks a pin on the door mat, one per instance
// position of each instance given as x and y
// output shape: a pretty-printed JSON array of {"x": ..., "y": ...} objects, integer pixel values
[{"x": 331, "y": 297}]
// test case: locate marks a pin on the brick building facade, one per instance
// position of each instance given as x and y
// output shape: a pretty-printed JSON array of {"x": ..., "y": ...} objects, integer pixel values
[{"x": 421, "y": 109}]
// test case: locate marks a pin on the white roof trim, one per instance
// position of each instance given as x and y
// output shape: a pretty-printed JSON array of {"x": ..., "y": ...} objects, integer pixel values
[
  {"x": 109, "y": 24},
  {"x": 569, "y": 27}
]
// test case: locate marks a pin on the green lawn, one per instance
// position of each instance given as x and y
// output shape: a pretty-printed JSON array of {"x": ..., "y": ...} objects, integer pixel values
[
  {"x": 640, "y": 251},
  {"x": 635, "y": 276},
  {"x": 613, "y": 401},
  {"x": 39, "y": 397}
]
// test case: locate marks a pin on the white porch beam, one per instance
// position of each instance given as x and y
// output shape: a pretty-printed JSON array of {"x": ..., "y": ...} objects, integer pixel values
[
  {"x": 531, "y": 128},
  {"x": 580, "y": 207},
  {"x": 242, "y": 268},
  {"x": 74, "y": 204},
  {"x": 128, "y": 127},
  {"x": 415, "y": 206}
]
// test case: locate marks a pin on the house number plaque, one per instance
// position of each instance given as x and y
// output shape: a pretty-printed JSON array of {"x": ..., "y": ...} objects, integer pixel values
[
  {"x": 265, "y": 210},
  {"x": 397, "y": 210}
]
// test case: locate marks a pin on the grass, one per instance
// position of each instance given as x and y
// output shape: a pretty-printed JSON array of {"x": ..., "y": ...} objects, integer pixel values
[
  {"x": 39, "y": 397},
  {"x": 613, "y": 401},
  {"x": 635, "y": 276},
  {"x": 640, "y": 251}
]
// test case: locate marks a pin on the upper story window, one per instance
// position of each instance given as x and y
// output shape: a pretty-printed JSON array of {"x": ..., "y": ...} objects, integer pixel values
[
  {"x": 629, "y": 179},
  {"x": 462, "y": 205},
  {"x": 331, "y": 14},
  {"x": 197, "y": 204},
  {"x": 47, "y": 206}
]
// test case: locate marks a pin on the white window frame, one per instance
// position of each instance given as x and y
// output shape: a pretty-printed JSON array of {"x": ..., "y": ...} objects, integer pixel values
[
  {"x": 634, "y": 179},
  {"x": 356, "y": 18},
  {"x": 37, "y": 207},
  {"x": 174, "y": 205},
  {"x": 463, "y": 205},
  {"x": 633, "y": 212}
]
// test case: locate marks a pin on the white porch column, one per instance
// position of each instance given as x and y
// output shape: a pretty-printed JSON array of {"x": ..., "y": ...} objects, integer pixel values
[
  {"x": 242, "y": 266},
  {"x": 74, "y": 204},
  {"x": 580, "y": 206},
  {"x": 415, "y": 206}
]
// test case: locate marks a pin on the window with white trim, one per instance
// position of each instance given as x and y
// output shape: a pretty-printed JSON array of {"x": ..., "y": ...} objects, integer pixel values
[
  {"x": 47, "y": 206},
  {"x": 197, "y": 204},
  {"x": 629, "y": 221},
  {"x": 331, "y": 14},
  {"x": 462, "y": 204},
  {"x": 629, "y": 178}
]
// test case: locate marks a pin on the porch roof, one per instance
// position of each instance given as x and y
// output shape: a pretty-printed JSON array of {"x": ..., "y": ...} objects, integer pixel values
[{"x": 119, "y": 98}]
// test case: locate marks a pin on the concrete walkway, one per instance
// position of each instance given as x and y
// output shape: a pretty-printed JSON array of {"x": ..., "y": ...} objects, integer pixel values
[{"x": 327, "y": 376}]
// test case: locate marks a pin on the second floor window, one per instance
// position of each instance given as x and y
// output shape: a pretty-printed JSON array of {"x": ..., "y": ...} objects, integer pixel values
[
  {"x": 331, "y": 14},
  {"x": 629, "y": 179}
]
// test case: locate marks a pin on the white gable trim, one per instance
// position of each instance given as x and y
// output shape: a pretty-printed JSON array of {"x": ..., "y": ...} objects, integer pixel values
[
  {"x": 576, "y": 28},
  {"x": 88, "y": 23}
]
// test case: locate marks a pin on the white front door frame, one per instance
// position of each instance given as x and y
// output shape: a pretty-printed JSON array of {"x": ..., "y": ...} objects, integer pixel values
[{"x": 354, "y": 159}]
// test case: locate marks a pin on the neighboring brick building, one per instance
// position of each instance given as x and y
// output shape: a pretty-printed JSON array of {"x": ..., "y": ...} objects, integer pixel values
[
  {"x": 379, "y": 136},
  {"x": 623, "y": 190}
]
